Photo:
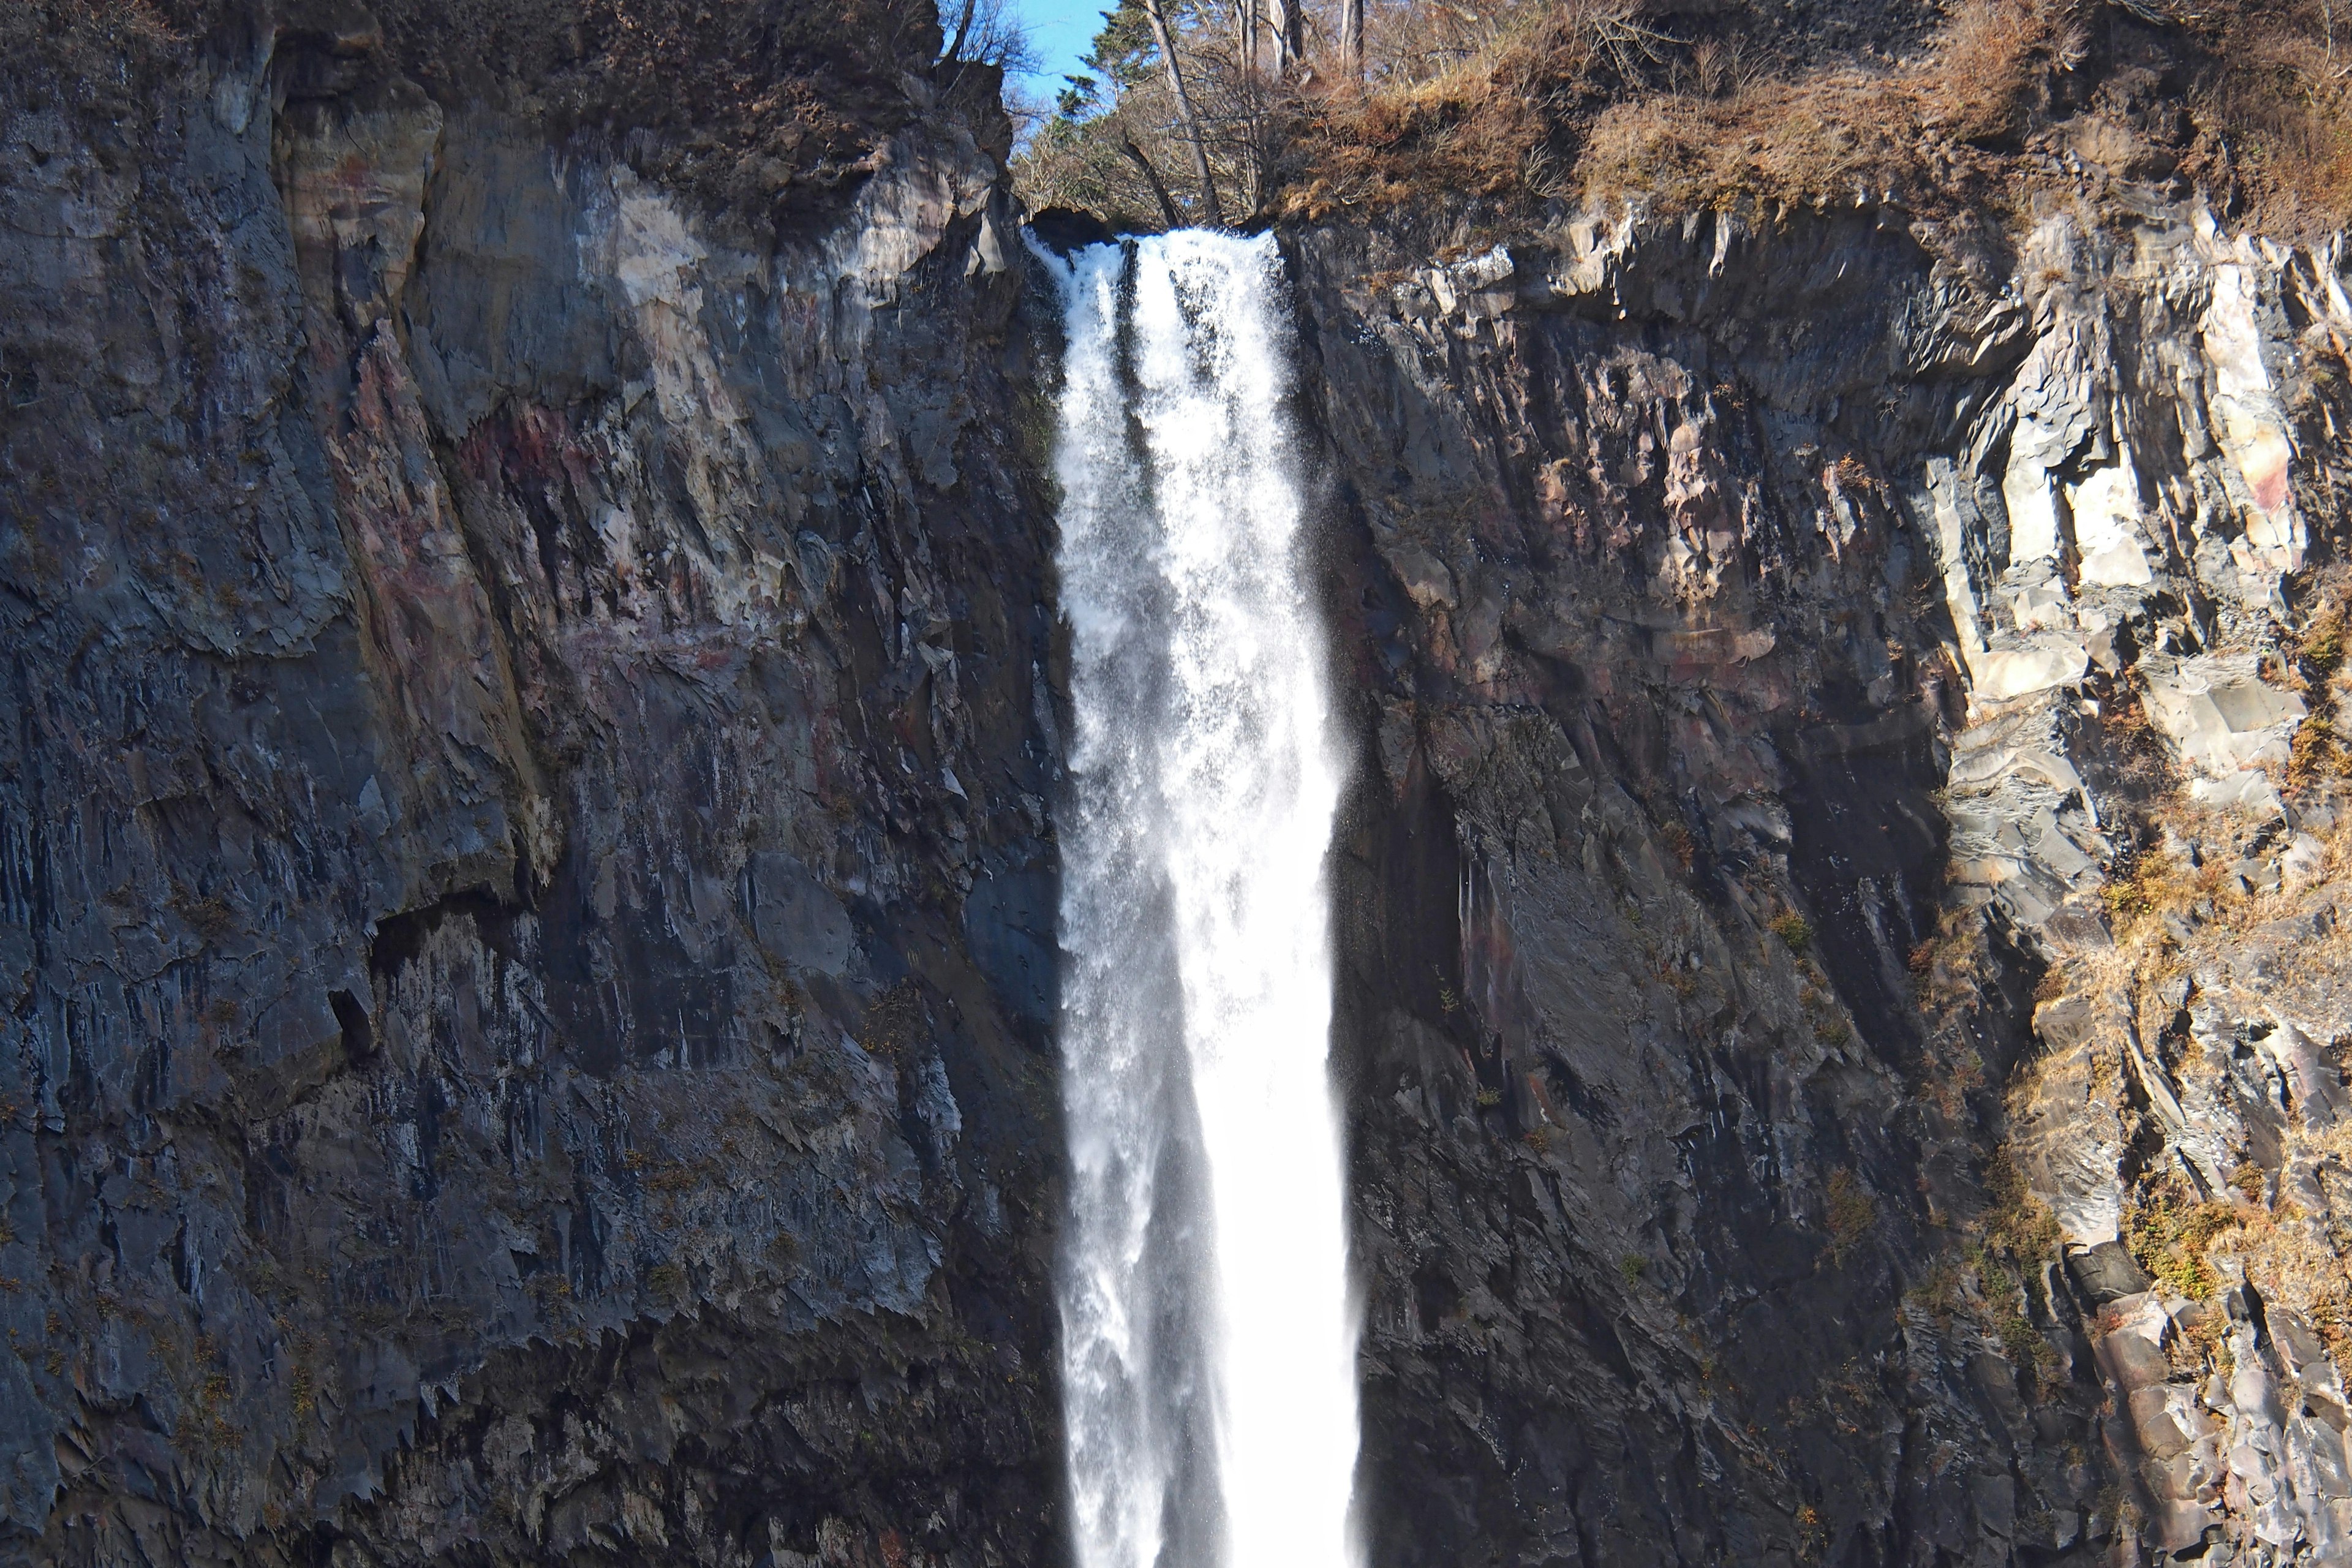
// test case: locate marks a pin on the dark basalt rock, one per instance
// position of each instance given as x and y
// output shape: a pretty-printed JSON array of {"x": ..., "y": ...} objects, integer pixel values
[
  {"x": 497, "y": 1072},
  {"x": 1064, "y": 231},
  {"x": 1691, "y": 928}
]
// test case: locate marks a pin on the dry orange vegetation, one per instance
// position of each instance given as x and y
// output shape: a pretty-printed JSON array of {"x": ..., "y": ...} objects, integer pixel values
[
  {"x": 1587, "y": 99},
  {"x": 2186, "y": 910}
]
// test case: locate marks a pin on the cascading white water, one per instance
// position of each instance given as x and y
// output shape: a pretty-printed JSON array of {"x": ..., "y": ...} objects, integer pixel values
[{"x": 1209, "y": 1334}]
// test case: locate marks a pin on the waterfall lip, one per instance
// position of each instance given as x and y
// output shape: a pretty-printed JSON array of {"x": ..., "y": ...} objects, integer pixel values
[
  {"x": 1063, "y": 231},
  {"x": 1066, "y": 230},
  {"x": 1058, "y": 236}
]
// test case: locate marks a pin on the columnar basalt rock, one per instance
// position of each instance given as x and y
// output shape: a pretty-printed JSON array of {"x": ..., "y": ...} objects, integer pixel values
[{"x": 527, "y": 879}]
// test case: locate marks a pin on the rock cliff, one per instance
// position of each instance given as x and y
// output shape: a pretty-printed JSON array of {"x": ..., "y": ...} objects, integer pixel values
[
  {"x": 527, "y": 911},
  {"x": 527, "y": 881},
  {"x": 1790, "y": 668}
]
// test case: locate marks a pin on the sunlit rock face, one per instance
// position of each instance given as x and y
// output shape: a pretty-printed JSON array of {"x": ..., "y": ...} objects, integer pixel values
[{"x": 1782, "y": 652}]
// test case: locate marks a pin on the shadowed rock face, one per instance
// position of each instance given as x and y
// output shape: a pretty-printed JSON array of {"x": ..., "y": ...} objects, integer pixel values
[
  {"x": 515, "y": 684},
  {"x": 527, "y": 898}
]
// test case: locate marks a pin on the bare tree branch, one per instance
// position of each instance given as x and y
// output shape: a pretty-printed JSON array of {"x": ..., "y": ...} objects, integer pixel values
[
  {"x": 1151, "y": 177},
  {"x": 963, "y": 26}
]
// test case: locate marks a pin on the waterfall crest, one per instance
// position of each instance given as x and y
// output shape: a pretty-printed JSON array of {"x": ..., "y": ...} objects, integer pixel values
[{"x": 1209, "y": 1334}]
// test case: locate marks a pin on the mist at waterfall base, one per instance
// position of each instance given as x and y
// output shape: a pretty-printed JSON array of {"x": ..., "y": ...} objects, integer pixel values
[{"x": 1208, "y": 1333}]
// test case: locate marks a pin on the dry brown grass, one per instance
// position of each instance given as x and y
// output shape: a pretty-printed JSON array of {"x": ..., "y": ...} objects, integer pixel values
[
  {"x": 2278, "y": 112},
  {"x": 1927, "y": 135},
  {"x": 1466, "y": 132},
  {"x": 1588, "y": 99},
  {"x": 2190, "y": 1242},
  {"x": 1475, "y": 104},
  {"x": 1464, "y": 101},
  {"x": 2158, "y": 880},
  {"x": 2192, "y": 907},
  {"x": 2298, "y": 1261}
]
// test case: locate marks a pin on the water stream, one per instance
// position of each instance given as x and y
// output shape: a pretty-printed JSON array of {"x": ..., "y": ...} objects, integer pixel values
[{"x": 1209, "y": 1334}]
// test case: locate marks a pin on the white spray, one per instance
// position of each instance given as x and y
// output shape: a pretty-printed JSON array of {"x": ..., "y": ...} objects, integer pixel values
[{"x": 1209, "y": 1335}]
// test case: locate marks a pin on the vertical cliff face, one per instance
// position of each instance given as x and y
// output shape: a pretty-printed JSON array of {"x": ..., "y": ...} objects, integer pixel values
[
  {"x": 1777, "y": 653},
  {"x": 526, "y": 924},
  {"x": 527, "y": 885}
]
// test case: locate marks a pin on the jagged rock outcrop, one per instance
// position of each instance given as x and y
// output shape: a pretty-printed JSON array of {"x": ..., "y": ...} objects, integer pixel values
[
  {"x": 527, "y": 917},
  {"x": 1772, "y": 644}
]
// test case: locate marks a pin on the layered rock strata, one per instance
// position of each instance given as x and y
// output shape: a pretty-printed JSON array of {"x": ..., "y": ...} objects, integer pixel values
[{"x": 527, "y": 878}]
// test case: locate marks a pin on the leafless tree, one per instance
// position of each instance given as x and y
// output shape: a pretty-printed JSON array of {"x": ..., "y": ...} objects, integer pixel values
[
  {"x": 1191, "y": 121},
  {"x": 987, "y": 34},
  {"x": 1239, "y": 67},
  {"x": 963, "y": 27},
  {"x": 1287, "y": 20},
  {"x": 1151, "y": 178}
]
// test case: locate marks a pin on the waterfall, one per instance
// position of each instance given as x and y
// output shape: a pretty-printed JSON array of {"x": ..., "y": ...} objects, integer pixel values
[{"x": 1209, "y": 1334}]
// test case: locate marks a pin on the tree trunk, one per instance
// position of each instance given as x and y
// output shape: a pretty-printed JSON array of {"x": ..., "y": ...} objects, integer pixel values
[
  {"x": 1250, "y": 39},
  {"x": 963, "y": 26},
  {"x": 1290, "y": 32},
  {"x": 1162, "y": 36},
  {"x": 1151, "y": 177},
  {"x": 1351, "y": 38}
]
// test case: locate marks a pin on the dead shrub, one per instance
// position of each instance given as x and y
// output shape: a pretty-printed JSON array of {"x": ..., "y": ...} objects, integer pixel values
[
  {"x": 2136, "y": 749},
  {"x": 1851, "y": 1212},
  {"x": 1987, "y": 60},
  {"x": 1480, "y": 103},
  {"x": 2171, "y": 1232}
]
